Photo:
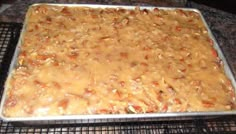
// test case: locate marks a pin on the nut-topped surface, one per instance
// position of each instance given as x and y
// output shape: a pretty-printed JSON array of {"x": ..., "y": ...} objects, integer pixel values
[{"x": 111, "y": 61}]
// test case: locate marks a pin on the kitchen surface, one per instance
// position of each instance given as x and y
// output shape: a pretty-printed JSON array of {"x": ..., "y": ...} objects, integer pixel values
[{"x": 221, "y": 23}]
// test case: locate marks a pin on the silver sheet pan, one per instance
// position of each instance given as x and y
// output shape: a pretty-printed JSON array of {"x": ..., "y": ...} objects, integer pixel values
[{"x": 116, "y": 117}]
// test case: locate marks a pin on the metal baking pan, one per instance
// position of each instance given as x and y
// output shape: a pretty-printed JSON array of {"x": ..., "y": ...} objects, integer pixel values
[{"x": 116, "y": 117}]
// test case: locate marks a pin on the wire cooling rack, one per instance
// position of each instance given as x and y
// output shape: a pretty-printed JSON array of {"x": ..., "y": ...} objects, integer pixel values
[{"x": 9, "y": 34}]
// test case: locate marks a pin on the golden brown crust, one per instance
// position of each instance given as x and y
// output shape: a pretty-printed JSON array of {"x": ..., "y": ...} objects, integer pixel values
[{"x": 96, "y": 61}]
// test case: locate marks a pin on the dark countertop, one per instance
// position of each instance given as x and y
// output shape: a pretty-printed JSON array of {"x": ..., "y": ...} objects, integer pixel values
[{"x": 222, "y": 24}]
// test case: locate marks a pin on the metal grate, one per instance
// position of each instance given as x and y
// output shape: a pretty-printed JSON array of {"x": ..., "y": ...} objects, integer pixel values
[
  {"x": 211, "y": 126},
  {"x": 9, "y": 34}
]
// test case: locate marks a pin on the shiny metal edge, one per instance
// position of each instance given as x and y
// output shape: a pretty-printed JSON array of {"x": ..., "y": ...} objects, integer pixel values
[{"x": 227, "y": 70}]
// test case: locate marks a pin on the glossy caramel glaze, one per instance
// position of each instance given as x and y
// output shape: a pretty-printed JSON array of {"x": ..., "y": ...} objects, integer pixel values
[{"x": 111, "y": 61}]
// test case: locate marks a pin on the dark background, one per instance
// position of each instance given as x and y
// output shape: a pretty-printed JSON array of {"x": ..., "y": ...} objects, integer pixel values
[{"x": 226, "y": 5}]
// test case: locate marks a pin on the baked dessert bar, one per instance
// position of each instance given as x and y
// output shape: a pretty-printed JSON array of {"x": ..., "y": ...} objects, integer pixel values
[{"x": 79, "y": 60}]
